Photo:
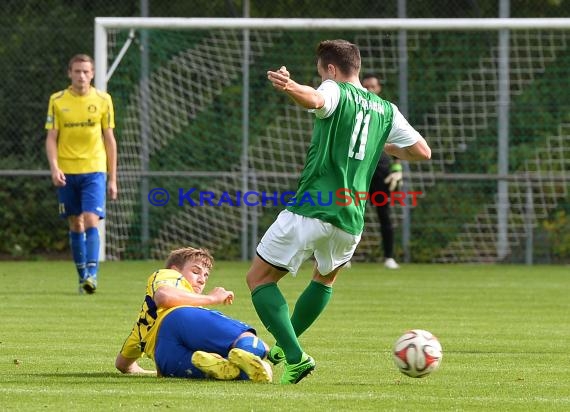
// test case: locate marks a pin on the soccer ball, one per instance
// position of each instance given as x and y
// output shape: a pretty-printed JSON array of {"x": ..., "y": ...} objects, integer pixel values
[{"x": 417, "y": 353}]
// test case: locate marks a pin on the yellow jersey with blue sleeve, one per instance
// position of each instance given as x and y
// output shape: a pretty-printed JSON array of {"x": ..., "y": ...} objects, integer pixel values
[
  {"x": 80, "y": 121},
  {"x": 142, "y": 339}
]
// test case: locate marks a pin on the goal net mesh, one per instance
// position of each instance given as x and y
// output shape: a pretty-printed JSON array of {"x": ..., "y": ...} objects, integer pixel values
[{"x": 190, "y": 110}]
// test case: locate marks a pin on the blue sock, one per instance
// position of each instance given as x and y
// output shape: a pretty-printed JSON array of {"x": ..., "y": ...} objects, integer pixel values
[
  {"x": 92, "y": 250},
  {"x": 252, "y": 344},
  {"x": 77, "y": 243}
]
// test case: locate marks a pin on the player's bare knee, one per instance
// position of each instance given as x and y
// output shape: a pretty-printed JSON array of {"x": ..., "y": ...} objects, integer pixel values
[
  {"x": 76, "y": 224},
  {"x": 251, "y": 280},
  {"x": 90, "y": 220},
  {"x": 327, "y": 280},
  {"x": 256, "y": 277}
]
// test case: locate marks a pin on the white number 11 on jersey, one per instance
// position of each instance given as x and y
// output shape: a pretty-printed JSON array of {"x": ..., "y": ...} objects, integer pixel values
[{"x": 360, "y": 129}]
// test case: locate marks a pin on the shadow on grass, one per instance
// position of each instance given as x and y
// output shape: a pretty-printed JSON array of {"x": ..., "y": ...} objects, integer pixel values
[{"x": 92, "y": 375}]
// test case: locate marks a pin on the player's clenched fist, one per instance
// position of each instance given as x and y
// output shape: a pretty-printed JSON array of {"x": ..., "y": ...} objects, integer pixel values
[{"x": 222, "y": 295}]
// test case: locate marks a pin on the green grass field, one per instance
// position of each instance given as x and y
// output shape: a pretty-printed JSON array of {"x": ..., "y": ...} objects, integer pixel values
[{"x": 505, "y": 332}]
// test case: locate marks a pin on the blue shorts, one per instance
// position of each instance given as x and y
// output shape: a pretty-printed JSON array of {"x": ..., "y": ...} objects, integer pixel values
[
  {"x": 82, "y": 193},
  {"x": 188, "y": 329}
]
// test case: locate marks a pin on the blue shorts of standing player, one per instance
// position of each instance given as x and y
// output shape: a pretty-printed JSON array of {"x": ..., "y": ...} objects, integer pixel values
[
  {"x": 82, "y": 193},
  {"x": 82, "y": 202},
  {"x": 199, "y": 343}
]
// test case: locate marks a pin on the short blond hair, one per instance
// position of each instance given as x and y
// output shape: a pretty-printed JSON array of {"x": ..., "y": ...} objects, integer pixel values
[{"x": 179, "y": 257}]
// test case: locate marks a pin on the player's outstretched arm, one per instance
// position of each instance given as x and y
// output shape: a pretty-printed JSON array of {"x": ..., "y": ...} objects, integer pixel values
[
  {"x": 303, "y": 95},
  {"x": 169, "y": 297}
]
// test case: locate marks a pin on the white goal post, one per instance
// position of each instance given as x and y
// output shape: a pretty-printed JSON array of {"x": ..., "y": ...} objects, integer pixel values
[{"x": 104, "y": 70}]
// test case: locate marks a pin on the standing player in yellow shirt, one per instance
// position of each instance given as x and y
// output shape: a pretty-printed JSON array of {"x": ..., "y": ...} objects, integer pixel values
[{"x": 82, "y": 154}]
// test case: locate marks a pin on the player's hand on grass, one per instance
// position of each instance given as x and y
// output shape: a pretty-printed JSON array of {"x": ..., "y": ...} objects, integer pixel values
[
  {"x": 135, "y": 368},
  {"x": 130, "y": 366}
]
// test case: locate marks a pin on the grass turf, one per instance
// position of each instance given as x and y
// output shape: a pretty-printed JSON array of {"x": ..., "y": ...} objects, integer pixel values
[{"x": 505, "y": 332}]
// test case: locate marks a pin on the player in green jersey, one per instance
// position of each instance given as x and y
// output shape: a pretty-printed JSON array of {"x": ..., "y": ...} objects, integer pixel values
[{"x": 352, "y": 127}]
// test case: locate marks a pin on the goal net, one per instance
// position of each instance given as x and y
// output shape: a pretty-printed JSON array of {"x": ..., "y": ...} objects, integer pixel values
[{"x": 197, "y": 122}]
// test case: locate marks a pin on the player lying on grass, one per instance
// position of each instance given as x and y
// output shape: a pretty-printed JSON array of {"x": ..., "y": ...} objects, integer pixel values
[{"x": 186, "y": 340}]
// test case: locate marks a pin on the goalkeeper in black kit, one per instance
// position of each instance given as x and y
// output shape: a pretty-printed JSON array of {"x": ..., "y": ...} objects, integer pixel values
[{"x": 387, "y": 178}]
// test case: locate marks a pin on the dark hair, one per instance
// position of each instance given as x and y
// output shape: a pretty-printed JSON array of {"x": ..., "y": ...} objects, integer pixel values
[
  {"x": 371, "y": 76},
  {"x": 80, "y": 58},
  {"x": 180, "y": 257},
  {"x": 341, "y": 54}
]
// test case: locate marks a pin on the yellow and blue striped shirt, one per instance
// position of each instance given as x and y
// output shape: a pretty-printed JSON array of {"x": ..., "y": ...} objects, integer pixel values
[{"x": 142, "y": 338}]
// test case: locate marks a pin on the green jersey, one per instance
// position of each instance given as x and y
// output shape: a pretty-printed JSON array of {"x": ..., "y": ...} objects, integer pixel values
[{"x": 344, "y": 152}]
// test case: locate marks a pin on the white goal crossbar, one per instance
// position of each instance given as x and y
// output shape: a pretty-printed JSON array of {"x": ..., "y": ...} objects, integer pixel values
[
  {"x": 102, "y": 24},
  {"x": 331, "y": 24}
]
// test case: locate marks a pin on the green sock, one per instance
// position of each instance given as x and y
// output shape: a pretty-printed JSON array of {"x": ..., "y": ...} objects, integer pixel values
[
  {"x": 310, "y": 305},
  {"x": 272, "y": 309}
]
